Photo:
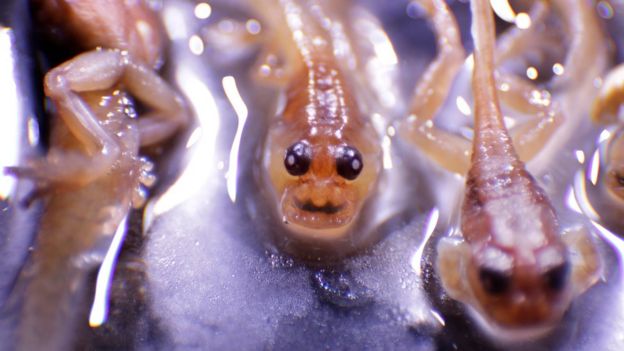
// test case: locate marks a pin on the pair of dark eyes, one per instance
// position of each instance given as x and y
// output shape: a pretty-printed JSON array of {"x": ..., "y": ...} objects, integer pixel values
[
  {"x": 497, "y": 283},
  {"x": 299, "y": 157}
]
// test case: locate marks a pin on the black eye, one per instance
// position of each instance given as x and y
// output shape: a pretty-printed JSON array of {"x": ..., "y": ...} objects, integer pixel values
[
  {"x": 557, "y": 277},
  {"x": 298, "y": 158},
  {"x": 494, "y": 282},
  {"x": 349, "y": 162}
]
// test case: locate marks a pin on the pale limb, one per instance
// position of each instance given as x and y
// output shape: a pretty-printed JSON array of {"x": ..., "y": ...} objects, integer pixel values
[
  {"x": 93, "y": 71},
  {"x": 588, "y": 46},
  {"x": 103, "y": 69},
  {"x": 451, "y": 151},
  {"x": 585, "y": 258},
  {"x": 515, "y": 41},
  {"x": 281, "y": 57},
  {"x": 522, "y": 96},
  {"x": 452, "y": 255},
  {"x": 447, "y": 149},
  {"x": 610, "y": 97},
  {"x": 275, "y": 69},
  {"x": 433, "y": 87}
]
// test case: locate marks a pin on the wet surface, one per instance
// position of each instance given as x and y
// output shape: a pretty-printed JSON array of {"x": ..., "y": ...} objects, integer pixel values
[
  {"x": 18, "y": 140},
  {"x": 205, "y": 266}
]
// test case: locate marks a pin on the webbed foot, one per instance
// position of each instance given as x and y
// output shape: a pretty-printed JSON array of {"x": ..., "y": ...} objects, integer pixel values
[
  {"x": 450, "y": 265},
  {"x": 585, "y": 258}
]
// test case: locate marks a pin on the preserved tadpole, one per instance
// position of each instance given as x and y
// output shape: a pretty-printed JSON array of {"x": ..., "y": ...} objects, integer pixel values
[
  {"x": 514, "y": 267},
  {"x": 93, "y": 173}
]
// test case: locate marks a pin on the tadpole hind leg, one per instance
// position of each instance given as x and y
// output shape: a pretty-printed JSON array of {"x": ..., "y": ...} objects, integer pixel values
[
  {"x": 92, "y": 71},
  {"x": 450, "y": 151}
]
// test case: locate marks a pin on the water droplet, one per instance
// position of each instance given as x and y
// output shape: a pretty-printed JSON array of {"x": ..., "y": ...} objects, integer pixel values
[
  {"x": 253, "y": 26},
  {"x": 203, "y": 10},
  {"x": 196, "y": 45},
  {"x": 33, "y": 131},
  {"x": 604, "y": 9},
  {"x": 523, "y": 21},
  {"x": 532, "y": 73},
  {"x": 265, "y": 70},
  {"x": 226, "y": 26},
  {"x": 340, "y": 289},
  {"x": 280, "y": 261}
]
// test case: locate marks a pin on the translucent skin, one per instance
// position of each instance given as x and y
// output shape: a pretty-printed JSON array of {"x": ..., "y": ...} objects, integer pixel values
[
  {"x": 504, "y": 209},
  {"x": 514, "y": 267},
  {"x": 320, "y": 111},
  {"x": 74, "y": 221},
  {"x": 92, "y": 174}
]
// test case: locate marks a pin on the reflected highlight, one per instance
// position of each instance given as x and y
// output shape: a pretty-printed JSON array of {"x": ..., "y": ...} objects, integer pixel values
[
  {"x": 99, "y": 308},
  {"x": 201, "y": 164},
  {"x": 503, "y": 10},
  {"x": 231, "y": 91},
  {"x": 9, "y": 123},
  {"x": 416, "y": 259},
  {"x": 202, "y": 10}
]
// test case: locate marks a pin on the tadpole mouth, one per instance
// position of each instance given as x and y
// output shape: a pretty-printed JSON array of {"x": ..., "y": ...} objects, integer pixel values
[
  {"x": 328, "y": 208},
  {"x": 334, "y": 212}
]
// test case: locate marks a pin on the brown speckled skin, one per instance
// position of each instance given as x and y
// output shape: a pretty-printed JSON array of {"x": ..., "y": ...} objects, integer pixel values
[
  {"x": 504, "y": 208},
  {"x": 513, "y": 266},
  {"x": 78, "y": 218},
  {"x": 322, "y": 111}
]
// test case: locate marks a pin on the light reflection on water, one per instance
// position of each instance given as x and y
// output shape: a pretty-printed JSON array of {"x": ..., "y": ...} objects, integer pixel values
[
  {"x": 202, "y": 163},
  {"x": 99, "y": 308},
  {"x": 229, "y": 86},
  {"x": 10, "y": 130},
  {"x": 417, "y": 257}
]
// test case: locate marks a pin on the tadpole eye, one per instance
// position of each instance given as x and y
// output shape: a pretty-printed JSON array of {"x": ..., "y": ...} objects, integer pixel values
[
  {"x": 298, "y": 158},
  {"x": 557, "y": 277},
  {"x": 349, "y": 162},
  {"x": 494, "y": 282}
]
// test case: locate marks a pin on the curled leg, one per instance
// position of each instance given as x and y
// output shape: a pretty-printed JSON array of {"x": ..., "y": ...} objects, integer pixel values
[
  {"x": 610, "y": 97},
  {"x": 452, "y": 152},
  {"x": 449, "y": 150},
  {"x": 516, "y": 41},
  {"x": 545, "y": 115},
  {"x": 280, "y": 58},
  {"x": 433, "y": 87},
  {"x": 94, "y": 71},
  {"x": 588, "y": 46},
  {"x": 583, "y": 62}
]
